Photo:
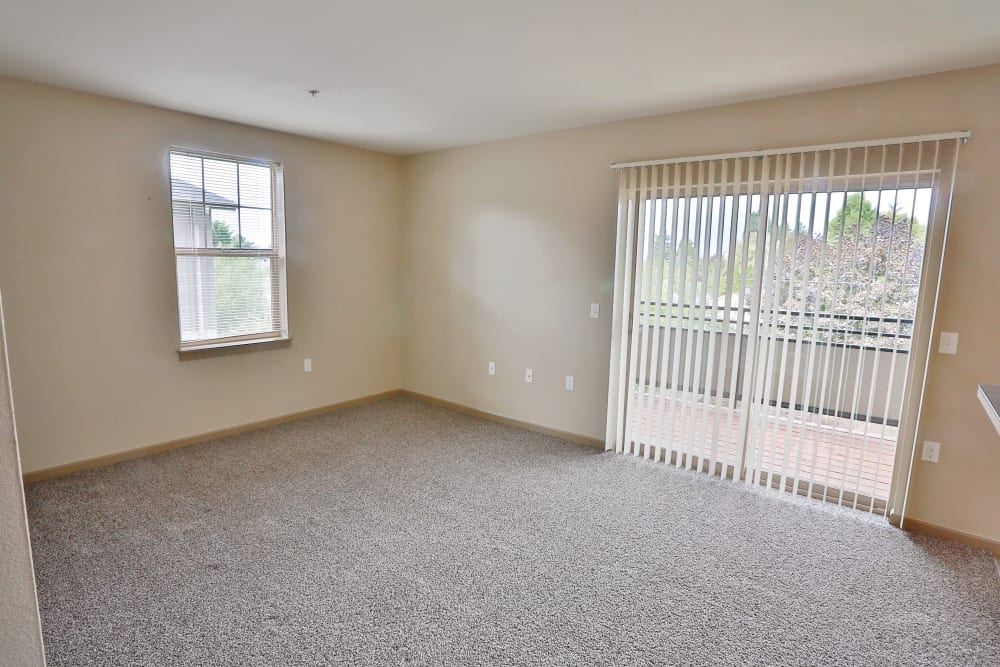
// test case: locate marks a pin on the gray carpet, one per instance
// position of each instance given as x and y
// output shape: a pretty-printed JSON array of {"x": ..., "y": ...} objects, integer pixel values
[{"x": 401, "y": 533}]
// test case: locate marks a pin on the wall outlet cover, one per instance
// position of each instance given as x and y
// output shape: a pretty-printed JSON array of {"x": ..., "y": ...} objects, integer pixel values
[{"x": 931, "y": 452}]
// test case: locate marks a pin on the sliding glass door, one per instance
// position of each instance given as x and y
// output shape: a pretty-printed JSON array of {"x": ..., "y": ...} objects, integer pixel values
[{"x": 774, "y": 310}]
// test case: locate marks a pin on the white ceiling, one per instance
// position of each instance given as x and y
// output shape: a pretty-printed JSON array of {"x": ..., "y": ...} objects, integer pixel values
[{"x": 406, "y": 76}]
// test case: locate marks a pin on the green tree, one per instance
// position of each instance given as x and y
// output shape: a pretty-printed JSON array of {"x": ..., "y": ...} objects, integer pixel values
[
  {"x": 864, "y": 262},
  {"x": 855, "y": 218},
  {"x": 222, "y": 237},
  {"x": 242, "y": 286},
  {"x": 867, "y": 263}
]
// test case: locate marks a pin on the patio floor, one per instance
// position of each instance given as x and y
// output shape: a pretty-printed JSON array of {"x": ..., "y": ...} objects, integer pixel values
[{"x": 836, "y": 453}]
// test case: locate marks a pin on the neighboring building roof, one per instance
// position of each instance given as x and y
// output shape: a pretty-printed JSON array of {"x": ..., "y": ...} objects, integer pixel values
[{"x": 182, "y": 190}]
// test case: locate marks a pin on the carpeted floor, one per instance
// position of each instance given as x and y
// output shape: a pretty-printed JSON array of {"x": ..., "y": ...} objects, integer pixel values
[{"x": 401, "y": 533}]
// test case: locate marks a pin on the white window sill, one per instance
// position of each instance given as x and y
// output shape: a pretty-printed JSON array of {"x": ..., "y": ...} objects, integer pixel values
[{"x": 234, "y": 347}]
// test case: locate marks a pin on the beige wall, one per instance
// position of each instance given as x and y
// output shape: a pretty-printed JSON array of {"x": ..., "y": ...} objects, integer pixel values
[
  {"x": 506, "y": 245},
  {"x": 86, "y": 265},
  {"x": 20, "y": 630}
]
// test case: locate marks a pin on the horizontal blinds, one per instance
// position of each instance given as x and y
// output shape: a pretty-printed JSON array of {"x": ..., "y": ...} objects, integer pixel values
[
  {"x": 769, "y": 312},
  {"x": 229, "y": 248}
]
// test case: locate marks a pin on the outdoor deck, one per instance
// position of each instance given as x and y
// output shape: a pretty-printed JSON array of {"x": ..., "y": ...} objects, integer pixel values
[{"x": 833, "y": 452}]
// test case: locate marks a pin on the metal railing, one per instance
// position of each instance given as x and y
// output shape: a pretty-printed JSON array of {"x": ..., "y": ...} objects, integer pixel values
[{"x": 791, "y": 322}]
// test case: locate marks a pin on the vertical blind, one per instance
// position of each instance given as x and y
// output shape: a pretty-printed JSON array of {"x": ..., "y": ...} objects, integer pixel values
[
  {"x": 773, "y": 313},
  {"x": 228, "y": 220}
]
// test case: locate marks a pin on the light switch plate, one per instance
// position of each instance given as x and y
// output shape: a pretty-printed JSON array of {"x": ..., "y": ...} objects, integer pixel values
[
  {"x": 527, "y": 375},
  {"x": 949, "y": 343},
  {"x": 569, "y": 383},
  {"x": 307, "y": 365},
  {"x": 595, "y": 311},
  {"x": 492, "y": 368}
]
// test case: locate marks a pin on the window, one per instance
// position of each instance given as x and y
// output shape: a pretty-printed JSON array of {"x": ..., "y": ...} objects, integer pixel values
[{"x": 229, "y": 229}]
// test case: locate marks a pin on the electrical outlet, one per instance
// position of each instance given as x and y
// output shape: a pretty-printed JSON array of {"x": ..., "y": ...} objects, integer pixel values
[
  {"x": 307, "y": 365},
  {"x": 569, "y": 383},
  {"x": 595, "y": 311},
  {"x": 492, "y": 369},
  {"x": 932, "y": 450},
  {"x": 527, "y": 375},
  {"x": 949, "y": 343}
]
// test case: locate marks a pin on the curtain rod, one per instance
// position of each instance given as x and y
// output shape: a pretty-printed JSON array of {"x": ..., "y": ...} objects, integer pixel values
[{"x": 963, "y": 135}]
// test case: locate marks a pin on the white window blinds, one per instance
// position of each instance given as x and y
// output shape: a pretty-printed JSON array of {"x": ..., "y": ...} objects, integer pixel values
[
  {"x": 229, "y": 246},
  {"x": 773, "y": 313}
]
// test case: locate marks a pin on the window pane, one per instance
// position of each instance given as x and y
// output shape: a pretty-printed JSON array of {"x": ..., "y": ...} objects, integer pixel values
[
  {"x": 185, "y": 177},
  {"x": 220, "y": 182},
  {"x": 226, "y": 296},
  {"x": 191, "y": 225},
  {"x": 256, "y": 227},
  {"x": 255, "y": 186},
  {"x": 225, "y": 228}
]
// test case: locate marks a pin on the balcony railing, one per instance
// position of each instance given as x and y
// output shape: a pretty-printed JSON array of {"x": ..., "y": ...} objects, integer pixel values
[
  {"x": 874, "y": 348},
  {"x": 871, "y": 332}
]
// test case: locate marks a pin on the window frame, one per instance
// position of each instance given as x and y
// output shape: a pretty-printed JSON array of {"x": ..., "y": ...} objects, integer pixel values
[{"x": 275, "y": 337}]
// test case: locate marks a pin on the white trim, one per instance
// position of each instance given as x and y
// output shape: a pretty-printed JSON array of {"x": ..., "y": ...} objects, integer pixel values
[
  {"x": 181, "y": 251},
  {"x": 275, "y": 254},
  {"x": 931, "y": 328},
  {"x": 229, "y": 341},
  {"x": 620, "y": 318},
  {"x": 224, "y": 157},
  {"x": 963, "y": 134},
  {"x": 991, "y": 410}
]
